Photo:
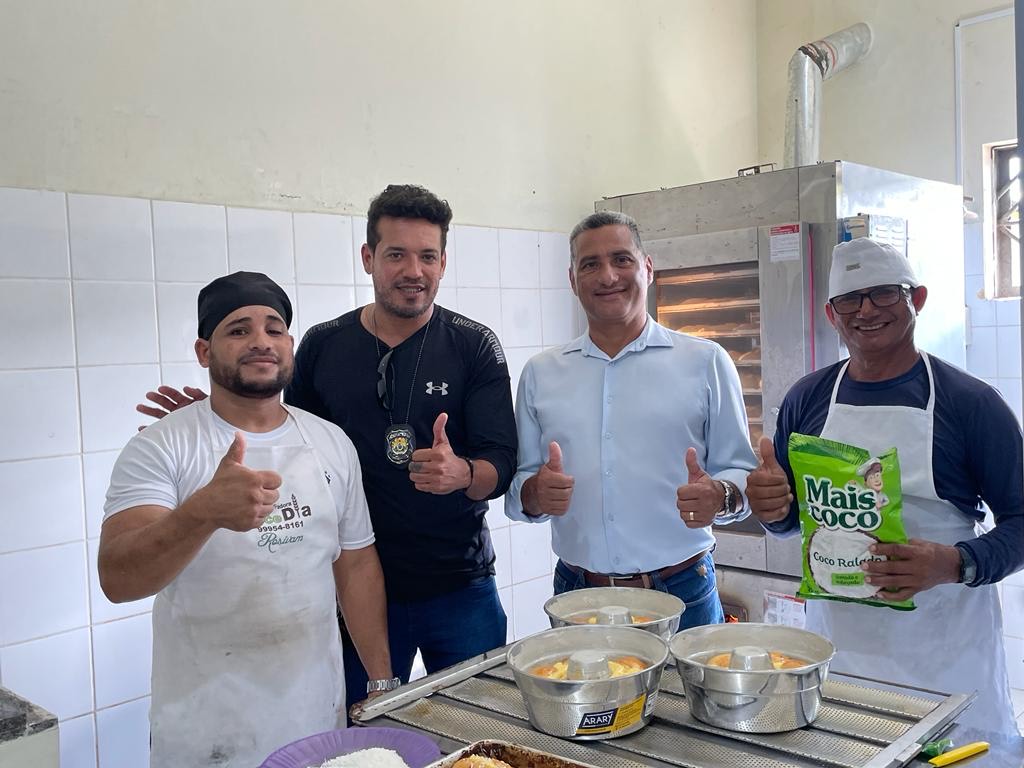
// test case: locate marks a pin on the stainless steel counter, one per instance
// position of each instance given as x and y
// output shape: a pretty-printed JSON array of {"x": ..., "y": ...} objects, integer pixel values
[{"x": 863, "y": 724}]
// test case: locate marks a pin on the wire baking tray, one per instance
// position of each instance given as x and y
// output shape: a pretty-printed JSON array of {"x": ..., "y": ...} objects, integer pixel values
[{"x": 863, "y": 724}]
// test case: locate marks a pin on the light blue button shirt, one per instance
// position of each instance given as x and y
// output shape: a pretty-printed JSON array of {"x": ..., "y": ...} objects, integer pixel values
[{"x": 624, "y": 425}]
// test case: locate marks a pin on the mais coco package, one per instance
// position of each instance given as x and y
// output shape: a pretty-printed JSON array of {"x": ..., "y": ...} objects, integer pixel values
[{"x": 849, "y": 499}]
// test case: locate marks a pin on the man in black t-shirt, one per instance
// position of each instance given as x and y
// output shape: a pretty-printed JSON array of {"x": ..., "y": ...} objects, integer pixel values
[{"x": 424, "y": 394}]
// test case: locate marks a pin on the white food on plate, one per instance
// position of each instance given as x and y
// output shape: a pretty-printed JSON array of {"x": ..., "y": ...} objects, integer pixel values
[{"x": 375, "y": 757}]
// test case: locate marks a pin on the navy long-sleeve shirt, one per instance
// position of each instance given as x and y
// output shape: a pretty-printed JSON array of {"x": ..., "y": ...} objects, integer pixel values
[{"x": 977, "y": 451}]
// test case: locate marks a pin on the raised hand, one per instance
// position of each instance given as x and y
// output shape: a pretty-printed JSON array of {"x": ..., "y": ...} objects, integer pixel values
[
  {"x": 701, "y": 498},
  {"x": 437, "y": 469},
  {"x": 169, "y": 399},
  {"x": 553, "y": 486},
  {"x": 237, "y": 498},
  {"x": 768, "y": 488}
]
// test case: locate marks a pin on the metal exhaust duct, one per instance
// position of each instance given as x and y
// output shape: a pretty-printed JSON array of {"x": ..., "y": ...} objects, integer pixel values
[{"x": 809, "y": 67}]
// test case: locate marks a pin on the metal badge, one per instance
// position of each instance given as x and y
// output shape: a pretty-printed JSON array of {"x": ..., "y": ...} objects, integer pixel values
[{"x": 400, "y": 442}]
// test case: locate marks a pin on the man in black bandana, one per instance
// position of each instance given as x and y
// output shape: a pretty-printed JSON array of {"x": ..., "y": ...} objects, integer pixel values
[{"x": 424, "y": 394}]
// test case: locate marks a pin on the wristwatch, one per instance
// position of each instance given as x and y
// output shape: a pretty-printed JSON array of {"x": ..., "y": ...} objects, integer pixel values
[
  {"x": 968, "y": 567},
  {"x": 728, "y": 510},
  {"x": 384, "y": 684}
]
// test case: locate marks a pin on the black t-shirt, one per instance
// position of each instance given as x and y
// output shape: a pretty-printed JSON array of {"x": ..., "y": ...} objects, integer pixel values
[
  {"x": 428, "y": 544},
  {"x": 977, "y": 449}
]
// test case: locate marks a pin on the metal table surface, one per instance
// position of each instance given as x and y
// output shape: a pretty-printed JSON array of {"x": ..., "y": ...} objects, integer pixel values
[{"x": 863, "y": 724}]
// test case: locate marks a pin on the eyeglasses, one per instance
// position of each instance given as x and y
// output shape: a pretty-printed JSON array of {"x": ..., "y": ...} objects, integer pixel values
[
  {"x": 383, "y": 397},
  {"x": 882, "y": 296}
]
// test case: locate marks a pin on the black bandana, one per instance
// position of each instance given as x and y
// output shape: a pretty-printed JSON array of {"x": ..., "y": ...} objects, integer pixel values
[{"x": 240, "y": 289}]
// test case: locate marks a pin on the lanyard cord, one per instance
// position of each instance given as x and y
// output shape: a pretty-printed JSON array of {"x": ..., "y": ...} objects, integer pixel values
[{"x": 415, "y": 370}]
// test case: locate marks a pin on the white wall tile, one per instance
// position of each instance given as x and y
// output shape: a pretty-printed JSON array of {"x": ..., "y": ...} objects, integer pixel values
[
  {"x": 1011, "y": 392},
  {"x": 54, "y": 672},
  {"x": 496, "y": 514},
  {"x": 109, "y": 396},
  {"x": 261, "y": 241},
  {"x": 517, "y": 359},
  {"x": 519, "y": 258},
  {"x": 974, "y": 234},
  {"x": 33, "y": 234},
  {"x": 319, "y": 303},
  {"x": 451, "y": 259},
  {"x": 982, "y": 353},
  {"x": 1008, "y": 313},
  {"x": 358, "y": 240},
  {"x": 122, "y": 735},
  {"x": 96, "y": 471},
  {"x": 42, "y": 503},
  {"x": 44, "y": 592},
  {"x": 447, "y": 295},
  {"x": 484, "y": 306},
  {"x": 554, "y": 260},
  {"x": 364, "y": 295},
  {"x": 101, "y": 609},
  {"x": 176, "y": 315},
  {"x": 478, "y": 262},
  {"x": 1008, "y": 344},
  {"x": 111, "y": 238},
  {"x": 189, "y": 241},
  {"x": 528, "y": 601},
  {"x": 40, "y": 310},
  {"x": 558, "y": 316},
  {"x": 115, "y": 323},
  {"x": 179, "y": 375},
  {"x": 323, "y": 249},
  {"x": 505, "y": 595},
  {"x": 122, "y": 659},
  {"x": 531, "y": 551},
  {"x": 41, "y": 408},
  {"x": 520, "y": 318},
  {"x": 983, "y": 311},
  {"x": 78, "y": 742},
  {"x": 502, "y": 557}
]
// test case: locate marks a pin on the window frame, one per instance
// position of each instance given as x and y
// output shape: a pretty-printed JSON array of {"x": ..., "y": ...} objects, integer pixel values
[{"x": 1002, "y": 220}]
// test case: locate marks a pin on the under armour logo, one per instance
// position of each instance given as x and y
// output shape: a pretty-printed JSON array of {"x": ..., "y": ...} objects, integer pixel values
[{"x": 442, "y": 388}]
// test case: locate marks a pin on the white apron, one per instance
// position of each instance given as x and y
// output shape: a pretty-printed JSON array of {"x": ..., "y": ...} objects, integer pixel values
[
  {"x": 953, "y": 641},
  {"x": 246, "y": 649}
]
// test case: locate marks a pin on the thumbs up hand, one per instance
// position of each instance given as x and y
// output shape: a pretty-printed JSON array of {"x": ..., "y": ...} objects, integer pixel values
[
  {"x": 768, "y": 488},
  {"x": 238, "y": 498},
  {"x": 553, "y": 486},
  {"x": 437, "y": 469},
  {"x": 702, "y": 497}
]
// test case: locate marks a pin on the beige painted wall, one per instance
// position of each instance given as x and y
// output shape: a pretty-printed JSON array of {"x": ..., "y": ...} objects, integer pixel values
[
  {"x": 895, "y": 108},
  {"x": 520, "y": 113}
]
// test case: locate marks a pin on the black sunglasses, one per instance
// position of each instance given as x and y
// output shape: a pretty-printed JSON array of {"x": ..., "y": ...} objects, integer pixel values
[
  {"x": 383, "y": 396},
  {"x": 881, "y": 296}
]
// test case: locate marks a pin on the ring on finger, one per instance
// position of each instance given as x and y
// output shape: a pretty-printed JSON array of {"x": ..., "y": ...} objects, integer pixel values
[{"x": 691, "y": 515}]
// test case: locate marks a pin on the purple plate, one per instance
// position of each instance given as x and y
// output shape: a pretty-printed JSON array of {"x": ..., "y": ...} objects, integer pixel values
[{"x": 414, "y": 748}]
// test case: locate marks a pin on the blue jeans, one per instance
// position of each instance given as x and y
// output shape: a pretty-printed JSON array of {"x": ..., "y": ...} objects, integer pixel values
[
  {"x": 446, "y": 629},
  {"x": 697, "y": 590}
]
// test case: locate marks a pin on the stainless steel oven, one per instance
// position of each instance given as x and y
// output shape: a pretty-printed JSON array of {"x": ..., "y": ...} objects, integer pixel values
[{"x": 744, "y": 261}]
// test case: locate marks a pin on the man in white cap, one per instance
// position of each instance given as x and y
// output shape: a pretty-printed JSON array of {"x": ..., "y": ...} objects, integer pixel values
[
  {"x": 959, "y": 446},
  {"x": 246, "y": 518}
]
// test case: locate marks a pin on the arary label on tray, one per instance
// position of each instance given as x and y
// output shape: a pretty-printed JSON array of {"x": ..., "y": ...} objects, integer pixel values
[{"x": 609, "y": 720}]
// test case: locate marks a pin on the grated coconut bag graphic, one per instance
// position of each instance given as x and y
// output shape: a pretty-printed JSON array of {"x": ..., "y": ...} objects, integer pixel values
[{"x": 848, "y": 500}]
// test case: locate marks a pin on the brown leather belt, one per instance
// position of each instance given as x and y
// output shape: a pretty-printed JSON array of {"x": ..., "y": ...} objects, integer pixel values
[{"x": 643, "y": 580}]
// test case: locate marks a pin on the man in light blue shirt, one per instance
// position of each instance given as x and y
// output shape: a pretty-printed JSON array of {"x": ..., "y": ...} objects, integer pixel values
[{"x": 632, "y": 438}]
